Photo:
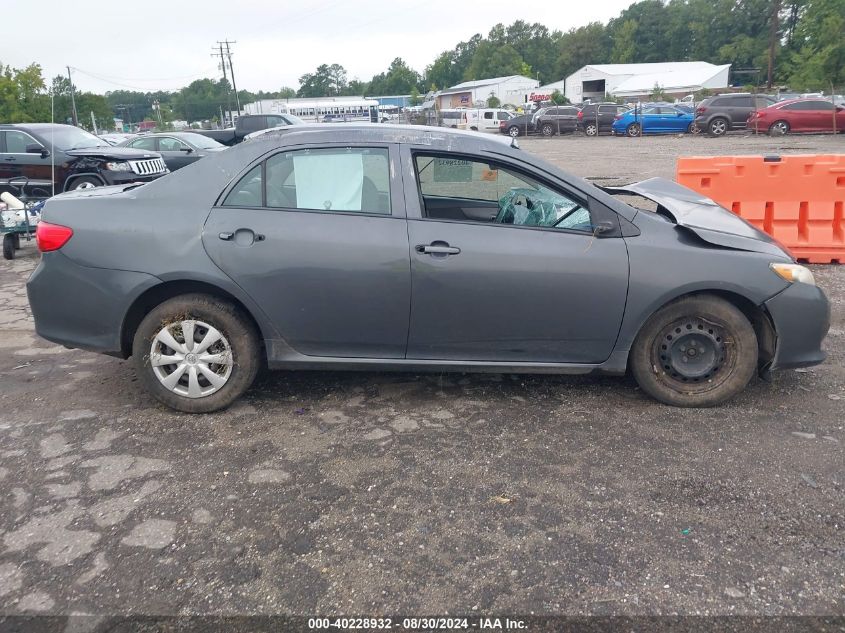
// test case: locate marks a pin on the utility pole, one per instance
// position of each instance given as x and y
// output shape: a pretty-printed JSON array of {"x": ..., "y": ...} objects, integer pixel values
[
  {"x": 773, "y": 38},
  {"x": 222, "y": 57},
  {"x": 232, "y": 72},
  {"x": 72, "y": 99}
]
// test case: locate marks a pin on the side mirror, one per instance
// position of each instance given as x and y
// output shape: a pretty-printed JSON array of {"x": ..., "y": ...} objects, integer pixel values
[
  {"x": 602, "y": 228},
  {"x": 187, "y": 150},
  {"x": 35, "y": 148}
]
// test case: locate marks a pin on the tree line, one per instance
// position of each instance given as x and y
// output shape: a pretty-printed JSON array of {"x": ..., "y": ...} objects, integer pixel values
[{"x": 802, "y": 40}]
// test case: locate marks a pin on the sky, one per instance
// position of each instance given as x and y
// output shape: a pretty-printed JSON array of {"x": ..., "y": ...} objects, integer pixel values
[{"x": 158, "y": 45}]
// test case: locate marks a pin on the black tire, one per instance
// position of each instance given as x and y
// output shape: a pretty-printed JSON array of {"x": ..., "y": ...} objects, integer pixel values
[
  {"x": 698, "y": 351},
  {"x": 9, "y": 246},
  {"x": 84, "y": 182},
  {"x": 230, "y": 321},
  {"x": 633, "y": 130},
  {"x": 591, "y": 129},
  {"x": 718, "y": 126},
  {"x": 779, "y": 128},
  {"x": 692, "y": 128},
  {"x": 547, "y": 129},
  {"x": 17, "y": 240},
  {"x": 514, "y": 131}
]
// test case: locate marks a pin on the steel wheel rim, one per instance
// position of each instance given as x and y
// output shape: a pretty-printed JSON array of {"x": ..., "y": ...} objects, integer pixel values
[
  {"x": 693, "y": 355},
  {"x": 514, "y": 132},
  {"x": 719, "y": 127},
  {"x": 85, "y": 185},
  {"x": 191, "y": 358}
]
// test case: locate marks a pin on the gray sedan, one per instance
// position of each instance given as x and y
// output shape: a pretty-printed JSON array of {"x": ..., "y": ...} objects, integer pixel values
[
  {"x": 413, "y": 248},
  {"x": 178, "y": 149}
]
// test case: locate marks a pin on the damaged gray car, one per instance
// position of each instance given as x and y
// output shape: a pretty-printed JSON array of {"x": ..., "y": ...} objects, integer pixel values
[{"x": 416, "y": 249}]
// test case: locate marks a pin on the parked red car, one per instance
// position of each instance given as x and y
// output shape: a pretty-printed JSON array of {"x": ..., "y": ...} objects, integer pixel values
[{"x": 798, "y": 115}]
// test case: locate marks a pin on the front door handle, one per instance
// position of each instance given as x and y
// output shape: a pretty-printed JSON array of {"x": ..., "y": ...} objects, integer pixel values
[
  {"x": 437, "y": 248},
  {"x": 242, "y": 237},
  {"x": 226, "y": 237}
]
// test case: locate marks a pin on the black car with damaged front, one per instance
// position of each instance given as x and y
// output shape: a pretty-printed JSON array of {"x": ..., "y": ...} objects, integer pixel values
[{"x": 52, "y": 158}]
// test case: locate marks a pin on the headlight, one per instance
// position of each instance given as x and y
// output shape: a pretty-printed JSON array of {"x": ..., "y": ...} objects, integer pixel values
[
  {"x": 118, "y": 166},
  {"x": 794, "y": 272}
]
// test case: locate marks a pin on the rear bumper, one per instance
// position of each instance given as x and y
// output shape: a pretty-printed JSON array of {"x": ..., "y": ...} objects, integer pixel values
[
  {"x": 82, "y": 307},
  {"x": 801, "y": 316}
]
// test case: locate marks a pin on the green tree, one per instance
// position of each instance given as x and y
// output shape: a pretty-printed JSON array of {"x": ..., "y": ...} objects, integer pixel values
[
  {"x": 326, "y": 81},
  {"x": 493, "y": 101},
  {"x": 399, "y": 79},
  {"x": 491, "y": 60}
]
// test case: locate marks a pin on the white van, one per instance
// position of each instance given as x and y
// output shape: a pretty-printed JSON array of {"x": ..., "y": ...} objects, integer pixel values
[
  {"x": 487, "y": 119},
  {"x": 456, "y": 118}
]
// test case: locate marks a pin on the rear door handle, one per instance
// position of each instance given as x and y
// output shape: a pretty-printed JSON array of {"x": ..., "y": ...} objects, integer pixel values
[{"x": 437, "y": 248}]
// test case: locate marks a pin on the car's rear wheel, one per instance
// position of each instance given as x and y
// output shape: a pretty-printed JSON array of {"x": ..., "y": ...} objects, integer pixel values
[
  {"x": 779, "y": 128},
  {"x": 513, "y": 131},
  {"x": 84, "y": 182},
  {"x": 591, "y": 129},
  {"x": 692, "y": 128},
  {"x": 547, "y": 129},
  {"x": 698, "y": 351},
  {"x": 633, "y": 130},
  {"x": 718, "y": 127},
  {"x": 196, "y": 353}
]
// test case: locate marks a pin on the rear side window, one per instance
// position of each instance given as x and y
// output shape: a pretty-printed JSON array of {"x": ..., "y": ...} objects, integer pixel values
[
  {"x": 330, "y": 180},
  {"x": 148, "y": 144}
]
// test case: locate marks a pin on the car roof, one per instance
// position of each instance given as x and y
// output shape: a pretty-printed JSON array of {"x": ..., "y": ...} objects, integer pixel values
[
  {"x": 35, "y": 126},
  {"x": 801, "y": 100},
  {"x": 436, "y": 137}
]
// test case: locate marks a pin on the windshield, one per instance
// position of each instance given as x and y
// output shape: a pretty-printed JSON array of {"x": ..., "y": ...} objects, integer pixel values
[
  {"x": 67, "y": 137},
  {"x": 294, "y": 120},
  {"x": 202, "y": 142}
]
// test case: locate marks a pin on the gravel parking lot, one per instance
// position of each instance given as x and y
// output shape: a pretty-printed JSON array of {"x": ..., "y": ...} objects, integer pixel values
[{"x": 374, "y": 493}]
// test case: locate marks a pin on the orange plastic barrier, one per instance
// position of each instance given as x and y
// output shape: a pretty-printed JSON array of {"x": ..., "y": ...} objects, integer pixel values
[{"x": 797, "y": 199}]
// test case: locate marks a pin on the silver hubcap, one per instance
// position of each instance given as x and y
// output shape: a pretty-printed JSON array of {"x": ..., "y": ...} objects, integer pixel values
[
  {"x": 719, "y": 127},
  {"x": 514, "y": 132},
  {"x": 591, "y": 130},
  {"x": 85, "y": 185},
  {"x": 780, "y": 127},
  {"x": 191, "y": 358}
]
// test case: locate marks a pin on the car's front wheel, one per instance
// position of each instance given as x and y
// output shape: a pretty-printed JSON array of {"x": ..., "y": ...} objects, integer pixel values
[
  {"x": 698, "y": 351},
  {"x": 513, "y": 131},
  {"x": 196, "y": 353},
  {"x": 85, "y": 182}
]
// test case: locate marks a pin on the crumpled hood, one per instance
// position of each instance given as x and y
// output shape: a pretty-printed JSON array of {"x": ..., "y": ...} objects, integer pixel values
[
  {"x": 702, "y": 216},
  {"x": 118, "y": 153}
]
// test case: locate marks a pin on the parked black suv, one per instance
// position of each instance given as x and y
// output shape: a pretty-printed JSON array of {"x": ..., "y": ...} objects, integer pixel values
[
  {"x": 596, "y": 118},
  {"x": 722, "y": 113},
  {"x": 556, "y": 120},
  {"x": 79, "y": 160}
]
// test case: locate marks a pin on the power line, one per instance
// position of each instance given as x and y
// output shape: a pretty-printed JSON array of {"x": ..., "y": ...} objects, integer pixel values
[{"x": 225, "y": 78}]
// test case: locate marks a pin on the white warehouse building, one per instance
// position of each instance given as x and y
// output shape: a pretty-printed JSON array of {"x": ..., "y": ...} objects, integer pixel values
[
  {"x": 633, "y": 81},
  {"x": 511, "y": 89}
]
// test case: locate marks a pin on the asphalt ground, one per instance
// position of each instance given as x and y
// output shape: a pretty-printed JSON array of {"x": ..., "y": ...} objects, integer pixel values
[{"x": 402, "y": 493}]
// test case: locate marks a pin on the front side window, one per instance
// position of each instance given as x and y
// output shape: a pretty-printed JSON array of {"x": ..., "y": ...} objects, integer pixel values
[
  {"x": 148, "y": 144},
  {"x": 448, "y": 186},
  {"x": 168, "y": 144},
  {"x": 332, "y": 180},
  {"x": 16, "y": 142}
]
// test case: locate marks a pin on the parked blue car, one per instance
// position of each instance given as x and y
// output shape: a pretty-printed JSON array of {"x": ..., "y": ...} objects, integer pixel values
[{"x": 655, "y": 119}]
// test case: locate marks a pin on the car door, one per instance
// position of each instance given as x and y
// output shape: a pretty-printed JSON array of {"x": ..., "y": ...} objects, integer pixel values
[
  {"x": 18, "y": 163},
  {"x": 325, "y": 258},
  {"x": 821, "y": 115},
  {"x": 507, "y": 290},
  {"x": 738, "y": 110},
  {"x": 176, "y": 153}
]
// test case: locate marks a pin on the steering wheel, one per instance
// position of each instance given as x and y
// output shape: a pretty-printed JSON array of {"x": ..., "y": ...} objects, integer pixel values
[{"x": 508, "y": 201}]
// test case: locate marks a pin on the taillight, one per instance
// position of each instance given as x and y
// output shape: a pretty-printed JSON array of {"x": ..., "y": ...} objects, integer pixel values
[
  {"x": 700, "y": 110},
  {"x": 617, "y": 117},
  {"x": 580, "y": 114},
  {"x": 51, "y": 237}
]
